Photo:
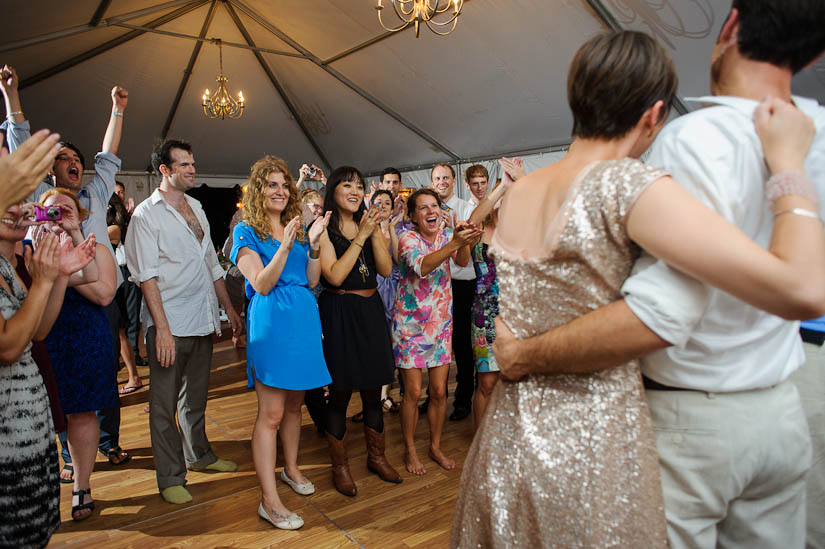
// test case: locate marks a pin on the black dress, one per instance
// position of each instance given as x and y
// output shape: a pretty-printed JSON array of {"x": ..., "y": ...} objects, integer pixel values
[{"x": 357, "y": 344}]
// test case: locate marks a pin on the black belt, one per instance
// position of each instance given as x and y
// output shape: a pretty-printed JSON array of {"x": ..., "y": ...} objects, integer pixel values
[
  {"x": 812, "y": 336},
  {"x": 651, "y": 385}
]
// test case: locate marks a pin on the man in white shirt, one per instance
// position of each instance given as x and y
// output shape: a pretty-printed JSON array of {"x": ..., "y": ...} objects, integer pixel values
[
  {"x": 731, "y": 433},
  {"x": 442, "y": 180},
  {"x": 170, "y": 254}
]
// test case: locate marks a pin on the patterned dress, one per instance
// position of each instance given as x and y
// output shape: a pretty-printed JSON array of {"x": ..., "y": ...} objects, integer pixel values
[
  {"x": 485, "y": 309},
  {"x": 567, "y": 460},
  {"x": 422, "y": 328},
  {"x": 29, "y": 489}
]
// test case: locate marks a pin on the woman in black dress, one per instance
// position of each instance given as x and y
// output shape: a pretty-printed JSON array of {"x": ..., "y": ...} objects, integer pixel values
[{"x": 357, "y": 344}]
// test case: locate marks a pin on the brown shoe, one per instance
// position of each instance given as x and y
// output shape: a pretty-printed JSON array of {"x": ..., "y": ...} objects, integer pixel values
[
  {"x": 376, "y": 460},
  {"x": 341, "y": 476}
]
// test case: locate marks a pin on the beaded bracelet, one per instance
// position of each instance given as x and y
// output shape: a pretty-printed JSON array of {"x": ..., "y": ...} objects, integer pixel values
[{"x": 784, "y": 184}]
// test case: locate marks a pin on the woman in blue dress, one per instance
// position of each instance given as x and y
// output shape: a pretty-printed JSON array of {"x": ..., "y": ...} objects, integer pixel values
[{"x": 284, "y": 351}]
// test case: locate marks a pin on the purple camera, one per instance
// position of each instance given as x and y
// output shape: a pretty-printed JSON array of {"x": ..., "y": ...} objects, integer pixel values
[{"x": 50, "y": 213}]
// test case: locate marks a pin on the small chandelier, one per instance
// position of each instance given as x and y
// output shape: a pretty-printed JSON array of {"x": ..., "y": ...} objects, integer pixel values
[
  {"x": 424, "y": 11},
  {"x": 222, "y": 104}
]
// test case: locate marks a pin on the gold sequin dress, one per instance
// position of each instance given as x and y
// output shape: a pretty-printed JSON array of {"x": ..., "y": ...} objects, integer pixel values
[{"x": 567, "y": 460}]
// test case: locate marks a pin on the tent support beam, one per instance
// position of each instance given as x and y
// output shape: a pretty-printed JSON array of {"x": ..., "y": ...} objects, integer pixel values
[
  {"x": 187, "y": 72},
  {"x": 85, "y": 56},
  {"x": 606, "y": 17},
  {"x": 71, "y": 31},
  {"x": 277, "y": 85},
  {"x": 99, "y": 12},
  {"x": 361, "y": 46},
  {"x": 343, "y": 79}
]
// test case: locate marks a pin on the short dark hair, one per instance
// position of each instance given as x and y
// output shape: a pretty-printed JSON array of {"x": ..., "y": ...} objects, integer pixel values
[
  {"x": 378, "y": 193},
  {"x": 338, "y": 176},
  {"x": 73, "y": 147},
  {"x": 412, "y": 201},
  {"x": 161, "y": 155},
  {"x": 390, "y": 171},
  {"x": 786, "y": 33},
  {"x": 121, "y": 184},
  {"x": 614, "y": 78}
]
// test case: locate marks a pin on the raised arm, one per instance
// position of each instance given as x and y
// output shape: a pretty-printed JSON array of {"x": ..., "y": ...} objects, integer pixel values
[
  {"x": 111, "y": 139},
  {"x": 788, "y": 279},
  {"x": 18, "y": 331},
  {"x": 9, "y": 85}
]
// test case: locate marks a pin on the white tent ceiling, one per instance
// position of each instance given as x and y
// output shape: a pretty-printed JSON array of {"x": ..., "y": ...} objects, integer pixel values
[{"x": 327, "y": 84}]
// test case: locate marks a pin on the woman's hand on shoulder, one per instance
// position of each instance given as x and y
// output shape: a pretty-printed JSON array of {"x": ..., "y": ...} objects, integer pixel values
[{"x": 786, "y": 134}]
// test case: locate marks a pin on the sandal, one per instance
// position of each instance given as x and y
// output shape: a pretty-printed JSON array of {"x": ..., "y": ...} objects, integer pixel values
[
  {"x": 82, "y": 506},
  {"x": 129, "y": 389},
  {"x": 358, "y": 418},
  {"x": 117, "y": 456},
  {"x": 390, "y": 405},
  {"x": 67, "y": 467}
]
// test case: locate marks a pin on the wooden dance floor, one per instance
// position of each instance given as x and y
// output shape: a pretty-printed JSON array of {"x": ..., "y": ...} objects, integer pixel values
[{"x": 223, "y": 513}]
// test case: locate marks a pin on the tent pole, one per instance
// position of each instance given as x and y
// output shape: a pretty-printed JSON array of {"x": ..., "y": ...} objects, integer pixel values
[
  {"x": 187, "y": 72},
  {"x": 277, "y": 85},
  {"x": 99, "y": 12},
  {"x": 343, "y": 79},
  {"x": 85, "y": 56}
]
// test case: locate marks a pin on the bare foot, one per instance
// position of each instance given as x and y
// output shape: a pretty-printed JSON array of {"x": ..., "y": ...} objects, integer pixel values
[
  {"x": 413, "y": 464},
  {"x": 438, "y": 456}
]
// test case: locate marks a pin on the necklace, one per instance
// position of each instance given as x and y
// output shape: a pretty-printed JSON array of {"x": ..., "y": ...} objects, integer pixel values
[{"x": 362, "y": 267}]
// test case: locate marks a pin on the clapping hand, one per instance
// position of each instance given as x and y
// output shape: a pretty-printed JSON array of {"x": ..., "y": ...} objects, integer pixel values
[
  {"x": 369, "y": 221},
  {"x": 290, "y": 232},
  {"x": 44, "y": 263},
  {"x": 467, "y": 234},
  {"x": 22, "y": 170},
  {"x": 317, "y": 229},
  {"x": 73, "y": 258},
  {"x": 513, "y": 170}
]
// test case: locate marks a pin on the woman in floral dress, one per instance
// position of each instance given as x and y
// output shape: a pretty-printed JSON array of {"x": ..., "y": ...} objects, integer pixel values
[{"x": 422, "y": 326}]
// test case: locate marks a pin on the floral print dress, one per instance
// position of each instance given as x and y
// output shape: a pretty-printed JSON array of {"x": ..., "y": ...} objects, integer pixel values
[
  {"x": 422, "y": 328},
  {"x": 485, "y": 309}
]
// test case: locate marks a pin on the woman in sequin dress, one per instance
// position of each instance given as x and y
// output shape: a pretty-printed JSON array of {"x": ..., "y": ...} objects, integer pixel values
[
  {"x": 569, "y": 460},
  {"x": 422, "y": 326}
]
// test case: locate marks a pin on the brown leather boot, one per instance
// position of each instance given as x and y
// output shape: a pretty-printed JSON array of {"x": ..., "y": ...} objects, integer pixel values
[
  {"x": 376, "y": 460},
  {"x": 340, "y": 466}
]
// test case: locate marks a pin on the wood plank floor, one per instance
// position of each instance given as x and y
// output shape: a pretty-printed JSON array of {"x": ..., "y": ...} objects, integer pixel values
[{"x": 223, "y": 513}]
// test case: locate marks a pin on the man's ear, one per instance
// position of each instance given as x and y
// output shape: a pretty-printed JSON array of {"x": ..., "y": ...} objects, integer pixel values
[
  {"x": 164, "y": 170},
  {"x": 730, "y": 29}
]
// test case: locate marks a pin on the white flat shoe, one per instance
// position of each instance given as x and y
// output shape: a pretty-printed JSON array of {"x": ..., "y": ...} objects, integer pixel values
[
  {"x": 304, "y": 488},
  {"x": 289, "y": 522}
]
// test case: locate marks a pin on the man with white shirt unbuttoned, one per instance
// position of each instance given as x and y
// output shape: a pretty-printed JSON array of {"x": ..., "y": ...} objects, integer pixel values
[
  {"x": 442, "y": 180},
  {"x": 733, "y": 442},
  {"x": 170, "y": 254}
]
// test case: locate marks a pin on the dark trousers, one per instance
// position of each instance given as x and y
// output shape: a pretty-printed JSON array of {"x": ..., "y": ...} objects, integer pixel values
[
  {"x": 109, "y": 418},
  {"x": 463, "y": 294},
  {"x": 131, "y": 297}
]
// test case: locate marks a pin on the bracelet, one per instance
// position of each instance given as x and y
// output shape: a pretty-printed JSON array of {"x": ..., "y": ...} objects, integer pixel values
[
  {"x": 787, "y": 183},
  {"x": 116, "y": 113},
  {"x": 800, "y": 211},
  {"x": 314, "y": 253},
  {"x": 15, "y": 113},
  {"x": 359, "y": 245}
]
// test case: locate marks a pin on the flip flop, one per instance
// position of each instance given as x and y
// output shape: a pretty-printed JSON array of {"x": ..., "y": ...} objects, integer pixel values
[
  {"x": 67, "y": 467},
  {"x": 129, "y": 389},
  {"x": 117, "y": 451}
]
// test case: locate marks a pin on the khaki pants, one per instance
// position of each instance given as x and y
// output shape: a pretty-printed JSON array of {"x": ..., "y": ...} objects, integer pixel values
[
  {"x": 733, "y": 467},
  {"x": 181, "y": 387},
  {"x": 810, "y": 381}
]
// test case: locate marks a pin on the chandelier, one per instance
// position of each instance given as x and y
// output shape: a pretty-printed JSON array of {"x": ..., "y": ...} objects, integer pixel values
[
  {"x": 222, "y": 104},
  {"x": 424, "y": 11}
]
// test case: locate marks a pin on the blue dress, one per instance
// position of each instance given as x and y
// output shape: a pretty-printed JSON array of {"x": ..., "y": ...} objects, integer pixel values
[{"x": 284, "y": 341}]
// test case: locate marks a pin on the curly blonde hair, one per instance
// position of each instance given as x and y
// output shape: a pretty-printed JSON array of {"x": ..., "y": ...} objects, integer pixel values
[{"x": 254, "y": 211}]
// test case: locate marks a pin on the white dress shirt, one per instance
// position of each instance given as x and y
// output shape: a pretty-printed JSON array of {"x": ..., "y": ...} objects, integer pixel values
[
  {"x": 463, "y": 210},
  {"x": 720, "y": 343},
  {"x": 160, "y": 244}
]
